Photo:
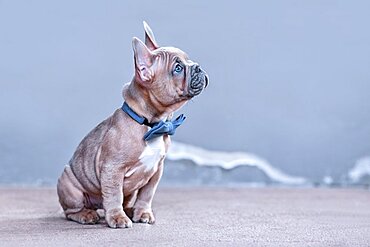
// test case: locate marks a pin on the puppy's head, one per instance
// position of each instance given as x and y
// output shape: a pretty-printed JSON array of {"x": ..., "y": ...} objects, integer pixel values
[{"x": 167, "y": 74}]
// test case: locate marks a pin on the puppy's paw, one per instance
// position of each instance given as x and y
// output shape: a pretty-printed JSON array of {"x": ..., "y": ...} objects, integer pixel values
[
  {"x": 85, "y": 216},
  {"x": 143, "y": 216},
  {"x": 116, "y": 218}
]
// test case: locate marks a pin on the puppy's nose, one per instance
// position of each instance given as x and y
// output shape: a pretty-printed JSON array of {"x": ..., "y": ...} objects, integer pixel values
[{"x": 197, "y": 68}]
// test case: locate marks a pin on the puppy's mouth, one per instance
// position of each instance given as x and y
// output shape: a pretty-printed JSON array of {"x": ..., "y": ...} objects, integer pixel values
[{"x": 199, "y": 81}]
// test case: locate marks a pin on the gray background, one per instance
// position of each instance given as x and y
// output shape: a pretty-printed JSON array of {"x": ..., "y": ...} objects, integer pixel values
[{"x": 289, "y": 79}]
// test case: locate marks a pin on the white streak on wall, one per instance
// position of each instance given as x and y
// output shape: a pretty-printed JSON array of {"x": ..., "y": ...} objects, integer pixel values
[
  {"x": 229, "y": 160},
  {"x": 361, "y": 169}
]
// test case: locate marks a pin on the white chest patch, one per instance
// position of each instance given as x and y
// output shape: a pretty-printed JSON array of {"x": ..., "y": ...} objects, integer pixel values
[{"x": 153, "y": 152}]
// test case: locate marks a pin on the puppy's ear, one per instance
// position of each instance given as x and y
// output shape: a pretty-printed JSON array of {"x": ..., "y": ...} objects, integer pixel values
[
  {"x": 149, "y": 37},
  {"x": 143, "y": 60}
]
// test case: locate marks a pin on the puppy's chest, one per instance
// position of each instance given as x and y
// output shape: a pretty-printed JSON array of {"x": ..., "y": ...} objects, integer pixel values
[{"x": 152, "y": 153}]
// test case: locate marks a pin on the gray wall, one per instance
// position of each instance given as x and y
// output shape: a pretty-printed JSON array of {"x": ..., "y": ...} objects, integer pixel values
[{"x": 289, "y": 79}]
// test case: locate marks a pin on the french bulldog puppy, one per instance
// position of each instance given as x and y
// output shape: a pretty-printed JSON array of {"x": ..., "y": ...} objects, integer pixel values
[{"x": 118, "y": 165}]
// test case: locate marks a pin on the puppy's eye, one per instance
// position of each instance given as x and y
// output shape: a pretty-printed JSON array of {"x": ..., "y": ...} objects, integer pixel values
[{"x": 178, "y": 68}]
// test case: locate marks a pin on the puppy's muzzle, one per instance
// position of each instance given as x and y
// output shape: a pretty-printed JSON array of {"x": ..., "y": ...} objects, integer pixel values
[{"x": 199, "y": 80}]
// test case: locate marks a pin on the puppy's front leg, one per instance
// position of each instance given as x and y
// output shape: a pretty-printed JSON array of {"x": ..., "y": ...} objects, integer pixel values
[
  {"x": 143, "y": 206},
  {"x": 111, "y": 185}
]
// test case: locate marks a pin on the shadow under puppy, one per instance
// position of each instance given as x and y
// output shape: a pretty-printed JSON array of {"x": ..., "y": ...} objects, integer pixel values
[{"x": 118, "y": 165}]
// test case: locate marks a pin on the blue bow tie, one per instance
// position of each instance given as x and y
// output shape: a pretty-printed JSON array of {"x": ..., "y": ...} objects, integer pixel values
[{"x": 157, "y": 129}]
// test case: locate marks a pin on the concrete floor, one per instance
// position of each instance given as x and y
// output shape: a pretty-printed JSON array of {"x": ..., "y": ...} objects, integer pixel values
[{"x": 199, "y": 217}]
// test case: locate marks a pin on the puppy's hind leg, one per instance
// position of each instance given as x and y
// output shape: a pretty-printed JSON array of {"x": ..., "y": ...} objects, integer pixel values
[
  {"x": 71, "y": 198},
  {"x": 128, "y": 204}
]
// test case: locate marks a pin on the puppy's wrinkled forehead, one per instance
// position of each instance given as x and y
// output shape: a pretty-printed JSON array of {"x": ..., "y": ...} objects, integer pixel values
[{"x": 170, "y": 55}]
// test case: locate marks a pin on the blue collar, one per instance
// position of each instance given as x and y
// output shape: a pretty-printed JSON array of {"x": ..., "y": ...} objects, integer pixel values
[
  {"x": 157, "y": 129},
  {"x": 140, "y": 120}
]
